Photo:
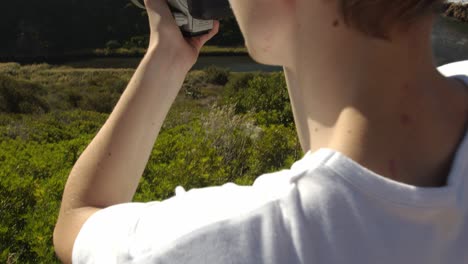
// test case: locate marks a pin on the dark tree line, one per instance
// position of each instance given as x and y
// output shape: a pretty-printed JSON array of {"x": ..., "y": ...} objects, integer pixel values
[{"x": 54, "y": 27}]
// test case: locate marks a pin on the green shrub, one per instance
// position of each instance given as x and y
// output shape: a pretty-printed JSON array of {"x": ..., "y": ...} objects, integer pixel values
[
  {"x": 50, "y": 128},
  {"x": 217, "y": 75},
  {"x": 231, "y": 137},
  {"x": 277, "y": 147},
  {"x": 9, "y": 68},
  {"x": 32, "y": 68},
  {"x": 265, "y": 95},
  {"x": 193, "y": 84},
  {"x": 237, "y": 83},
  {"x": 18, "y": 96},
  {"x": 35, "y": 160},
  {"x": 248, "y": 134},
  {"x": 102, "y": 101},
  {"x": 74, "y": 98},
  {"x": 61, "y": 88}
]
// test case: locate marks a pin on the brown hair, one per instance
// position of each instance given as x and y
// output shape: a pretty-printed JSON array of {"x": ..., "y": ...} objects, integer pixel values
[{"x": 376, "y": 17}]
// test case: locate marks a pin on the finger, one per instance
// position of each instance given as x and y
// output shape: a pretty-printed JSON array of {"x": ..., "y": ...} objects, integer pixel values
[
  {"x": 212, "y": 32},
  {"x": 204, "y": 38},
  {"x": 198, "y": 42},
  {"x": 160, "y": 6}
]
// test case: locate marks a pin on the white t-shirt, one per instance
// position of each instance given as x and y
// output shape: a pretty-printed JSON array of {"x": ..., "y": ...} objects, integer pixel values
[{"x": 325, "y": 209}]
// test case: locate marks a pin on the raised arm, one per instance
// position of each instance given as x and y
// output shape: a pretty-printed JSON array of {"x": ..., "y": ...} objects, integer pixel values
[{"x": 108, "y": 171}]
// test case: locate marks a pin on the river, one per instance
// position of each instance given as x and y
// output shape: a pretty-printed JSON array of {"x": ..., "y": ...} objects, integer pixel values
[{"x": 450, "y": 43}]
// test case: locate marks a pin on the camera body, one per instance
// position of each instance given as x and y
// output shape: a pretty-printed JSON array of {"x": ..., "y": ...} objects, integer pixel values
[{"x": 195, "y": 17}]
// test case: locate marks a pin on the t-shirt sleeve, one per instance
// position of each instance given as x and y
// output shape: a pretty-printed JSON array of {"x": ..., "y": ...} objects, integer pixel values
[
  {"x": 105, "y": 236},
  {"x": 455, "y": 68},
  {"x": 126, "y": 233}
]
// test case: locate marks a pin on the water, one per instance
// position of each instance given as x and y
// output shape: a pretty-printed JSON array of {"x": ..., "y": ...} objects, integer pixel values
[
  {"x": 235, "y": 63},
  {"x": 450, "y": 42}
]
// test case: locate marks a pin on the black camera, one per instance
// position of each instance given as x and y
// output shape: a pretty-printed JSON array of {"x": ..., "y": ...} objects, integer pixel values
[{"x": 195, "y": 17}]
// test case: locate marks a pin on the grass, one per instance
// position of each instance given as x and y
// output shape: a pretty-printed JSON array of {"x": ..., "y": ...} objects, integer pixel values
[{"x": 65, "y": 88}]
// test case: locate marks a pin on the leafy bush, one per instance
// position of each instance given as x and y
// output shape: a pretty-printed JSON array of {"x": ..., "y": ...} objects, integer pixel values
[
  {"x": 201, "y": 144},
  {"x": 18, "y": 96},
  {"x": 32, "y": 178},
  {"x": 237, "y": 83},
  {"x": 61, "y": 88},
  {"x": 193, "y": 84},
  {"x": 9, "y": 68},
  {"x": 277, "y": 147},
  {"x": 264, "y": 94},
  {"x": 216, "y": 75},
  {"x": 51, "y": 128}
]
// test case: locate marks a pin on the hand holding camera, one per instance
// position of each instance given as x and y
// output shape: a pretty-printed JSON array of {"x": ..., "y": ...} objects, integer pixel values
[
  {"x": 187, "y": 35},
  {"x": 196, "y": 17}
]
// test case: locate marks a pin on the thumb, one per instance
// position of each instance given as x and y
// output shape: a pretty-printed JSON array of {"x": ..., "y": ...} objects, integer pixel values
[{"x": 198, "y": 42}]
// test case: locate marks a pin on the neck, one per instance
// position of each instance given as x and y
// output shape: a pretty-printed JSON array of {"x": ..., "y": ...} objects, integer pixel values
[{"x": 384, "y": 105}]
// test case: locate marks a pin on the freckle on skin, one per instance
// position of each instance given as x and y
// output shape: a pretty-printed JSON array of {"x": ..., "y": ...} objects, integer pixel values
[
  {"x": 336, "y": 23},
  {"x": 349, "y": 131},
  {"x": 316, "y": 130},
  {"x": 110, "y": 154},
  {"x": 405, "y": 119}
]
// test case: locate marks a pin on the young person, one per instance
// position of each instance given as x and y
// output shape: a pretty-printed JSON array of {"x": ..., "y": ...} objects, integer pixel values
[{"x": 384, "y": 180}]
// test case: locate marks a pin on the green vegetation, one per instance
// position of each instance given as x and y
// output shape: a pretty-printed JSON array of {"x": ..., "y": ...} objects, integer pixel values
[
  {"x": 140, "y": 51},
  {"x": 219, "y": 130},
  {"x": 57, "y": 29}
]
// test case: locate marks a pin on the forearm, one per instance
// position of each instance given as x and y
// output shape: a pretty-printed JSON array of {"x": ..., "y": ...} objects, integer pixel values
[
  {"x": 110, "y": 168},
  {"x": 108, "y": 171}
]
